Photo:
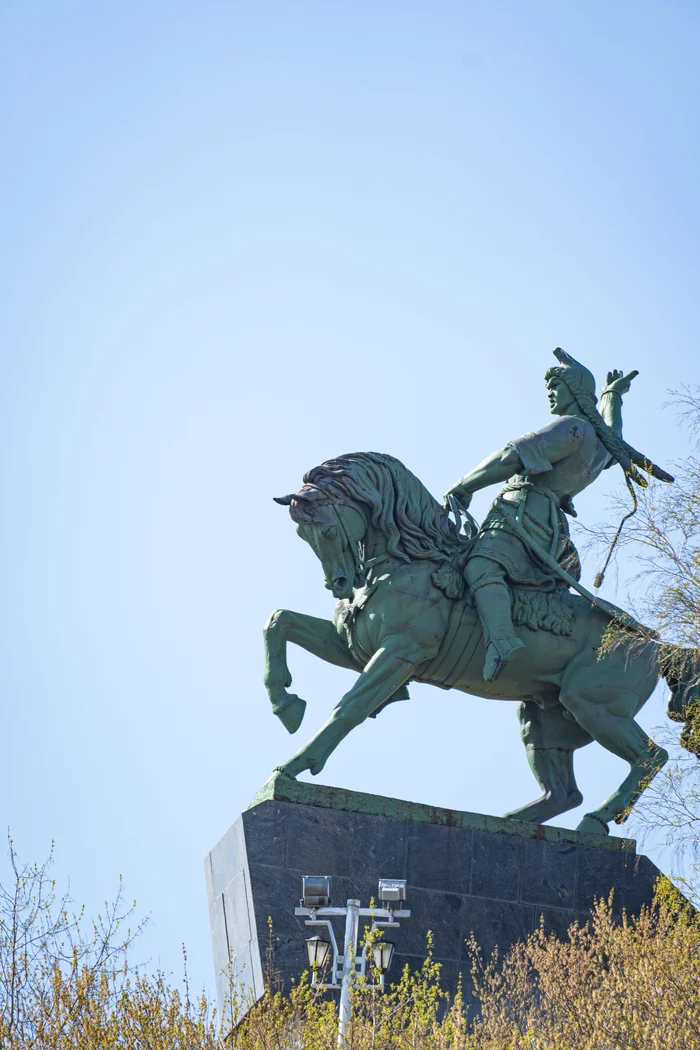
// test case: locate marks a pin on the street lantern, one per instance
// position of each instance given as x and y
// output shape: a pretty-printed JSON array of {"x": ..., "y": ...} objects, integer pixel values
[
  {"x": 318, "y": 949},
  {"x": 383, "y": 952},
  {"x": 345, "y": 965}
]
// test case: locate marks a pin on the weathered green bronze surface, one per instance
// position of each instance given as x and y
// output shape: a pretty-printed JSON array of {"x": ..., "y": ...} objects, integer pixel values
[
  {"x": 280, "y": 788},
  {"x": 488, "y": 612}
]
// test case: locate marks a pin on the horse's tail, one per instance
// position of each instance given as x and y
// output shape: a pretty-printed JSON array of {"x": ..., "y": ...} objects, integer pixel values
[{"x": 681, "y": 669}]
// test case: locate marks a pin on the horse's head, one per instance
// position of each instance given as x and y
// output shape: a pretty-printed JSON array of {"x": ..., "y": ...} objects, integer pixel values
[
  {"x": 366, "y": 507},
  {"x": 335, "y": 530}
]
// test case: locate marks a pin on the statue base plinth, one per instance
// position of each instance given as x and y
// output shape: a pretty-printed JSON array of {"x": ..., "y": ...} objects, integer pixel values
[{"x": 466, "y": 872}]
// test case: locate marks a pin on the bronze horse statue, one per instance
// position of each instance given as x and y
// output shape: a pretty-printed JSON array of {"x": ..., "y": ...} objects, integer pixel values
[{"x": 395, "y": 560}]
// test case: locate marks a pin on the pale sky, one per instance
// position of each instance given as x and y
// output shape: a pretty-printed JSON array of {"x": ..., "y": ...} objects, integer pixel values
[{"x": 238, "y": 239}]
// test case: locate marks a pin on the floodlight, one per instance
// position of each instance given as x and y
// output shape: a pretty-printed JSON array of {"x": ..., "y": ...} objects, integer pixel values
[
  {"x": 316, "y": 891},
  {"x": 392, "y": 892},
  {"x": 317, "y": 949},
  {"x": 383, "y": 952}
]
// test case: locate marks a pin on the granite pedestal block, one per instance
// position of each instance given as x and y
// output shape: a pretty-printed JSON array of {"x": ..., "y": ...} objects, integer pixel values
[{"x": 466, "y": 873}]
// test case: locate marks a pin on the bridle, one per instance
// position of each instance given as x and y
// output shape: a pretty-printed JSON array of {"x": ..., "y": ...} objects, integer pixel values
[
  {"x": 361, "y": 565},
  {"x": 358, "y": 556}
]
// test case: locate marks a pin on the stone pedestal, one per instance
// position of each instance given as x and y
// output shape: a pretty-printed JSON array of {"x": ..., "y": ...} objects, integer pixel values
[{"x": 466, "y": 872}]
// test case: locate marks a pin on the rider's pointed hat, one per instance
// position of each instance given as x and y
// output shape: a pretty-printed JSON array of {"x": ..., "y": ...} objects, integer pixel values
[
  {"x": 581, "y": 383},
  {"x": 577, "y": 377}
]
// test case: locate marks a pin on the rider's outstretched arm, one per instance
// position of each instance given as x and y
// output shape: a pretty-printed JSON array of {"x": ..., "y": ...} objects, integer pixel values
[
  {"x": 494, "y": 470},
  {"x": 616, "y": 385},
  {"x": 530, "y": 454}
]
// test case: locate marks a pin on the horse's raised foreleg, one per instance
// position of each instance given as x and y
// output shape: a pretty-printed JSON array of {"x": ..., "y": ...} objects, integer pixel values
[
  {"x": 550, "y": 741},
  {"x": 626, "y": 739},
  {"x": 391, "y": 666},
  {"x": 311, "y": 633}
]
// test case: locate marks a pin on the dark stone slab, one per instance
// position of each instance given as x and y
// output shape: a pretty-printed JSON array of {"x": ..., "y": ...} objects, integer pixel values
[
  {"x": 438, "y": 857},
  {"x": 496, "y": 866},
  {"x": 361, "y": 888},
  {"x": 555, "y": 920},
  {"x": 283, "y": 789},
  {"x": 313, "y": 846},
  {"x": 439, "y": 912},
  {"x": 378, "y": 843},
  {"x": 495, "y": 924},
  {"x": 640, "y": 873},
  {"x": 466, "y": 873},
  {"x": 549, "y": 874},
  {"x": 266, "y": 835},
  {"x": 598, "y": 875}
]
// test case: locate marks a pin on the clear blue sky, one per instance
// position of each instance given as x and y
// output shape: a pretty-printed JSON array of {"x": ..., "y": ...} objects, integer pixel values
[{"x": 237, "y": 239}]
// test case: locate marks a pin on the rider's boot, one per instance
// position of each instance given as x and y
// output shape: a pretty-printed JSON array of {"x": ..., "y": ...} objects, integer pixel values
[{"x": 493, "y": 606}]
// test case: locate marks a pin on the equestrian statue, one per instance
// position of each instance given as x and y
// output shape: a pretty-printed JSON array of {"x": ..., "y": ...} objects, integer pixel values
[{"x": 497, "y": 611}]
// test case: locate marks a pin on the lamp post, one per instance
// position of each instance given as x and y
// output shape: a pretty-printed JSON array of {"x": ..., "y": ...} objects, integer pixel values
[{"x": 315, "y": 907}]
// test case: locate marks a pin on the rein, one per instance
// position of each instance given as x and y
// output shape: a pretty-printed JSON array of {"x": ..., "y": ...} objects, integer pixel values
[{"x": 361, "y": 565}]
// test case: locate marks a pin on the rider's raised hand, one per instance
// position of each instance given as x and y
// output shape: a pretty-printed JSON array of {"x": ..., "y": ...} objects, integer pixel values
[{"x": 618, "y": 383}]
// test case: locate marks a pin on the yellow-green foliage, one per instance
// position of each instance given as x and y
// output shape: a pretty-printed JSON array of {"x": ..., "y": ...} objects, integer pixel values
[
  {"x": 67, "y": 985},
  {"x": 634, "y": 985}
]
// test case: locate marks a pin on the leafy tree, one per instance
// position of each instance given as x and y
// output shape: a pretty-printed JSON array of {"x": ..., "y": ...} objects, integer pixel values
[
  {"x": 66, "y": 984},
  {"x": 662, "y": 540}
]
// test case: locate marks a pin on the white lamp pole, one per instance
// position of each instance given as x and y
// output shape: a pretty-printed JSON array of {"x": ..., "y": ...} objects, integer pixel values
[
  {"x": 315, "y": 907},
  {"x": 352, "y": 926}
]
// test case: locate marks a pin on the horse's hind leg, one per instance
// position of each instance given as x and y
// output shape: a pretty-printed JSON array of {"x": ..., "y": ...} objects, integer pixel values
[
  {"x": 550, "y": 740},
  {"x": 619, "y": 733}
]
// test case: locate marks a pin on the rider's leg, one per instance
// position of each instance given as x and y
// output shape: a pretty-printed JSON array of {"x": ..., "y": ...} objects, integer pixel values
[
  {"x": 550, "y": 739},
  {"x": 486, "y": 581}
]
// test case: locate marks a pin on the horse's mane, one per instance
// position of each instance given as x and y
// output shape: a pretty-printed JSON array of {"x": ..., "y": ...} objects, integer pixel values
[{"x": 414, "y": 524}]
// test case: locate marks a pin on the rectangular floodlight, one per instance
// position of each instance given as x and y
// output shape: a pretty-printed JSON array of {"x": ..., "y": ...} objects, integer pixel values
[
  {"x": 392, "y": 892},
  {"x": 316, "y": 890}
]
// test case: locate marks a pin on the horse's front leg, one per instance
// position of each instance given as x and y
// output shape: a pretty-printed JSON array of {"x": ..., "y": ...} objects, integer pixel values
[
  {"x": 311, "y": 633},
  {"x": 391, "y": 667}
]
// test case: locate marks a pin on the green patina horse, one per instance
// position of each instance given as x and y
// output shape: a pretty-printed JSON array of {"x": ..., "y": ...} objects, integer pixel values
[{"x": 395, "y": 560}]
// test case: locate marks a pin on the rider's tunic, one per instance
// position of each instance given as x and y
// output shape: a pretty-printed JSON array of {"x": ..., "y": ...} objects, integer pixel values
[{"x": 559, "y": 461}]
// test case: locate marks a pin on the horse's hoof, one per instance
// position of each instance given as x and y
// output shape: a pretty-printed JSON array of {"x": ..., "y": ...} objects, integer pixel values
[
  {"x": 293, "y": 768},
  {"x": 280, "y": 771},
  {"x": 593, "y": 825},
  {"x": 292, "y": 714}
]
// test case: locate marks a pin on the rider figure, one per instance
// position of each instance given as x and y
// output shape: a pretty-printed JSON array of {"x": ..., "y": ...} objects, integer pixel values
[{"x": 543, "y": 471}]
